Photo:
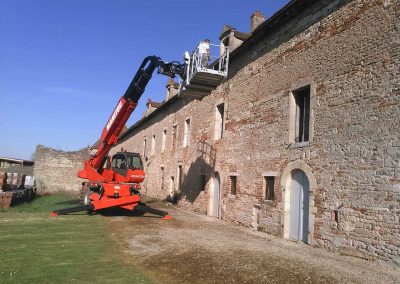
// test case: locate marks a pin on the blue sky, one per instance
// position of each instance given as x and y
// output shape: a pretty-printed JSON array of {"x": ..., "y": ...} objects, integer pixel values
[{"x": 65, "y": 63}]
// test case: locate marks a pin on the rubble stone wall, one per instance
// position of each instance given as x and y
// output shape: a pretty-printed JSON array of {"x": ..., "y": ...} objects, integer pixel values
[
  {"x": 349, "y": 58},
  {"x": 56, "y": 170}
]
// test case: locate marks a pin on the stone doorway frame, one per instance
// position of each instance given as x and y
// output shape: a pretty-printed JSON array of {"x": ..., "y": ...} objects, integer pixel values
[
  {"x": 286, "y": 181},
  {"x": 211, "y": 187}
]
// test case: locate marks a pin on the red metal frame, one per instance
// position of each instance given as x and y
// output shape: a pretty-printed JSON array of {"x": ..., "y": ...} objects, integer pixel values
[
  {"x": 108, "y": 138},
  {"x": 127, "y": 202}
]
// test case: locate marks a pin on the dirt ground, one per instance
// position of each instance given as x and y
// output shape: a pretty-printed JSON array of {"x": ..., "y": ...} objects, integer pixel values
[{"x": 193, "y": 248}]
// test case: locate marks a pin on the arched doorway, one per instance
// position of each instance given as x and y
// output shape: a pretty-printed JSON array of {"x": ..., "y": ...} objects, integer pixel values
[
  {"x": 214, "y": 197},
  {"x": 299, "y": 206}
]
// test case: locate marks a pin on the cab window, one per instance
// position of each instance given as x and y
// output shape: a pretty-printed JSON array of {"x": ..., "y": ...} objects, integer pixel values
[
  {"x": 119, "y": 162},
  {"x": 135, "y": 163}
]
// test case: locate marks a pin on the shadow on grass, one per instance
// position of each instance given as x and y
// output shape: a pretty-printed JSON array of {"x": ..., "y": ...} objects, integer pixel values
[
  {"x": 42, "y": 203},
  {"x": 108, "y": 212},
  {"x": 69, "y": 202},
  {"x": 115, "y": 212}
]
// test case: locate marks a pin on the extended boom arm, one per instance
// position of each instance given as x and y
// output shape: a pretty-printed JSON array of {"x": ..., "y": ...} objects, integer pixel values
[{"x": 123, "y": 110}]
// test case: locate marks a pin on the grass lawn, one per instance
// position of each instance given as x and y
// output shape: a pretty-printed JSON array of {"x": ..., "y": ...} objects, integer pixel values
[{"x": 37, "y": 248}]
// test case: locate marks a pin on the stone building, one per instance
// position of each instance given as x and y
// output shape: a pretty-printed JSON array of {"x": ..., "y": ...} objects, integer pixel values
[
  {"x": 301, "y": 140},
  {"x": 13, "y": 165}
]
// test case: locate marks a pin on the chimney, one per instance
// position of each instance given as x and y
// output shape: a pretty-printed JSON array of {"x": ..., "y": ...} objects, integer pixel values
[
  {"x": 255, "y": 20},
  {"x": 172, "y": 88}
]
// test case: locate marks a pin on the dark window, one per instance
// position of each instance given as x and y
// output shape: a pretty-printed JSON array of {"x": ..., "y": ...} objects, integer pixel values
[
  {"x": 172, "y": 189},
  {"x": 202, "y": 182},
  {"x": 269, "y": 188},
  {"x": 233, "y": 185},
  {"x": 219, "y": 123},
  {"x": 180, "y": 178},
  {"x": 162, "y": 178},
  {"x": 335, "y": 216},
  {"x": 135, "y": 163},
  {"x": 174, "y": 133},
  {"x": 123, "y": 162},
  {"x": 119, "y": 162},
  {"x": 302, "y": 100}
]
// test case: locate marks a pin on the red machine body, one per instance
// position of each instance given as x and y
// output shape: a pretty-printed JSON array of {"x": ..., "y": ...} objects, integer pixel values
[{"x": 115, "y": 181}]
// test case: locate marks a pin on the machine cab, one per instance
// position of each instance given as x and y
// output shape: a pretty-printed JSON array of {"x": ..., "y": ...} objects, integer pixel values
[{"x": 128, "y": 167}]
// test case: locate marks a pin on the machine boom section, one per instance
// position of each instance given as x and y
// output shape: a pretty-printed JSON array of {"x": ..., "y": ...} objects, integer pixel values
[
  {"x": 112, "y": 130},
  {"x": 125, "y": 106}
]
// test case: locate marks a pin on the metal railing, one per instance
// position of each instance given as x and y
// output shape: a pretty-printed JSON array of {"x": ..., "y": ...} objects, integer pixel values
[{"x": 208, "y": 63}]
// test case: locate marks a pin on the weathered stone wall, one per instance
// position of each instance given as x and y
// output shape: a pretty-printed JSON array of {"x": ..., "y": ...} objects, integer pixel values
[
  {"x": 349, "y": 56},
  {"x": 57, "y": 170}
]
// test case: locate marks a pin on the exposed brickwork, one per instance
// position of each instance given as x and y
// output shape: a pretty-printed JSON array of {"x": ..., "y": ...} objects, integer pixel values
[
  {"x": 350, "y": 58},
  {"x": 57, "y": 170}
]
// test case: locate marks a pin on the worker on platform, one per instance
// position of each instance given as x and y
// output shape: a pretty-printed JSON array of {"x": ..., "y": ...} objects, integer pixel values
[{"x": 203, "y": 50}]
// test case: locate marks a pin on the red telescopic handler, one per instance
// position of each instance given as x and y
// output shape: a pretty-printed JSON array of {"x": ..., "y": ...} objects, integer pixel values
[{"x": 114, "y": 182}]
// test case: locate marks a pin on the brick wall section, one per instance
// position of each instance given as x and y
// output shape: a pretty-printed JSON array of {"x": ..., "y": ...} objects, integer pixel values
[
  {"x": 57, "y": 170},
  {"x": 350, "y": 58}
]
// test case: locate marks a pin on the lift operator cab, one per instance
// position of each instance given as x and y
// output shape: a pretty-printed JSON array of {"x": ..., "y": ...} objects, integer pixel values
[{"x": 128, "y": 167}]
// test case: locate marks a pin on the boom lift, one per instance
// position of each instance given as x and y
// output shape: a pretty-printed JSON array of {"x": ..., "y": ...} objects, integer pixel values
[{"x": 115, "y": 182}]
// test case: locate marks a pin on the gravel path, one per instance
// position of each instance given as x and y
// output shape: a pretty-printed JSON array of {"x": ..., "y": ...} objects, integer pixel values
[{"x": 193, "y": 248}]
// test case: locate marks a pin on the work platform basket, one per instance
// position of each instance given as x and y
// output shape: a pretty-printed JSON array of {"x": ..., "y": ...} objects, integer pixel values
[{"x": 203, "y": 76}]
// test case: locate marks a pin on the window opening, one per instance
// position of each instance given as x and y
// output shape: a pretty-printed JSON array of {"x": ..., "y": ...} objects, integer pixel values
[
  {"x": 164, "y": 140},
  {"x": 269, "y": 188},
  {"x": 302, "y": 123},
  {"x": 172, "y": 186},
  {"x": 180, "y": 177},
  {"x": 174, "y": 133},
  {"x": 186, "y": 134},
  {"x": 144, "y": 146},
  {"x": 233, "y": 184},
  {"x": 162, "y": 178},
  {"x": 153, "y": 145},
  {"x": 219, "y": 122}
]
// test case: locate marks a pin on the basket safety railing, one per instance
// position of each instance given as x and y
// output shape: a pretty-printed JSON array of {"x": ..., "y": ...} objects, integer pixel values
[{"x": 214, "y": 64}]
